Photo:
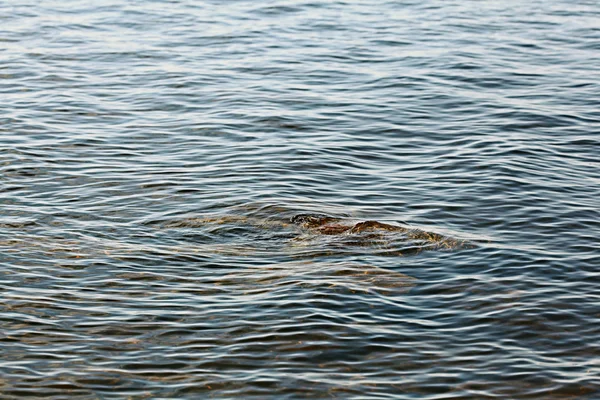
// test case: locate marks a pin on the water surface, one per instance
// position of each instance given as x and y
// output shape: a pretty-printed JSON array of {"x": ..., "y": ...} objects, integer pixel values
[{"x": 153, "y": 153}]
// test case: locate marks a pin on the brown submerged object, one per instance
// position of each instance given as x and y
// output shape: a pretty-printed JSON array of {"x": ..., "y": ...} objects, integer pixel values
[
  {"x": 327, "y": 225},
  {"x": 337, "y": 232}
]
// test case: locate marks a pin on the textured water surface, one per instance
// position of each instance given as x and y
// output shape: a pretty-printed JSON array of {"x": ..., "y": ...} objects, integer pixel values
[{"x": 154, "y": 154}]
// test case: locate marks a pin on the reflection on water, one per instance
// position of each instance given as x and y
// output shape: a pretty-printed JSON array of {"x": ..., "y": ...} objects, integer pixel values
[{"x": 155, "y": 158}]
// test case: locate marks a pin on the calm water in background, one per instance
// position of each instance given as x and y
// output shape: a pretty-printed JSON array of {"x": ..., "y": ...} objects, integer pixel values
[{"x": 152, "y": 153}]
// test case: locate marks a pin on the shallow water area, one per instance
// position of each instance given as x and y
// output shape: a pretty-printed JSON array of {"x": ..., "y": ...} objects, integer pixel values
[{"x": 154, "y": 157}]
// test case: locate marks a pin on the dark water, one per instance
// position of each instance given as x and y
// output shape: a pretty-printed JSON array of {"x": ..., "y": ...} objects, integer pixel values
[{"x": 152, "y": 154}]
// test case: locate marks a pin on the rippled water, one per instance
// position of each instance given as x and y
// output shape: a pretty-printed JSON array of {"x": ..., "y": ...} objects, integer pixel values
[{"x": 154, "y": 153}]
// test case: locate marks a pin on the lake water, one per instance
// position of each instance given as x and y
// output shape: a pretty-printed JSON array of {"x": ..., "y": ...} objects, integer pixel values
[{"x": 154, "y": 153}]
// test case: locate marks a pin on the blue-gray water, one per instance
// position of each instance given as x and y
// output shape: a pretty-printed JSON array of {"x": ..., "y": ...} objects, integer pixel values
[{"x": 152, "y": 154}]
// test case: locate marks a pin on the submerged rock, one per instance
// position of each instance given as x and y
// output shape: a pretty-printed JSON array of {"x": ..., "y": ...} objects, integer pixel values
[{"x": 375, "y": 231}]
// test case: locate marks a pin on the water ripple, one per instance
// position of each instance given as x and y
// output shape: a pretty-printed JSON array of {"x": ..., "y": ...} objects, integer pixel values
[{"x": 152, "y": 156}]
